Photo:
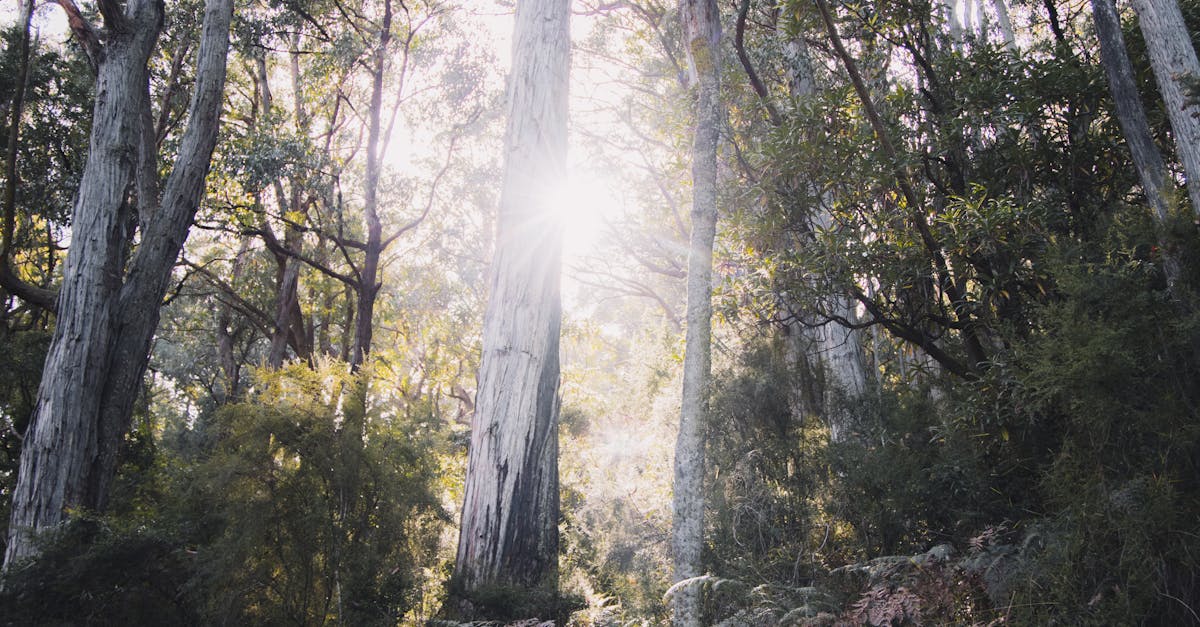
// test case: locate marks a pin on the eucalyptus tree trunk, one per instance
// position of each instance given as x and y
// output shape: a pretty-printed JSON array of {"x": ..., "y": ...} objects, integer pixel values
[
  {"x": 509, "y": 532},
  {"x": 15, "y": 112},
  {"x": 1134, "y": 126},
  {"x": 108, "y": 310},
  {"x": 1005, "y": 23},
  {"x": 1177, "y": 72},
  {"x": 837, "y": 347},
  {"x": 229, "y": 390},
  {"x": 369, "y": 283},
  {"x": 702, "y": 36},
  {"x": 288, "y": 328}
]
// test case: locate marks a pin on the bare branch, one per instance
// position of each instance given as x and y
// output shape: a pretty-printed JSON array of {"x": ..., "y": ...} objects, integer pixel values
[
  {"x": 84, "y": 32},
  {"x": 756, "y": 83},
  {"x": 278, "y": 249}
]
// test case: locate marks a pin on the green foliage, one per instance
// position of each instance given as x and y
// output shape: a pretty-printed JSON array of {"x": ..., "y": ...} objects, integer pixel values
[
  {"x": 1115, "y": 378},
  {"x": 91, "y": 573},
  {"x": 900, "y": 490},
  {"x": 21, "y": 360},
  {"x": 305, "y": 510},
  {"x": 324, "y": 510},
  {"x": 766, "y": 471}
]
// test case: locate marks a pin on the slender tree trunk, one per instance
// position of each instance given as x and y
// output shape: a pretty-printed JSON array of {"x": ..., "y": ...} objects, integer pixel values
[
  {"x": 9, "y": 280},
  {"x": 509, "y": 532},
  {"x": 105, "y": 325},
  {"x": 702, "y": 36},
  {"x": 368, "y": 288},
  {"x": 230, "y": 390},
  {"x": 1176, "y": 70},
  {"x": 289, "y": 321},
  {"x": 1135, "y": 127},
  {"x": 16, "y": 111}
]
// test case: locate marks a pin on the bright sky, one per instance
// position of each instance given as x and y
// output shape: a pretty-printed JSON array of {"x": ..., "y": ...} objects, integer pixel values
[{"x": 588, "y": 199}]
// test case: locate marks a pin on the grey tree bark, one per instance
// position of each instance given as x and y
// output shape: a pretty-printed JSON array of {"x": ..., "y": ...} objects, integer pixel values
[
  {"x": 702, "y": 36},
  {"x": 509, "y": 532},
  {"x": 108, "y": 310},
  {"x": 835, "y": 347},
  {"x": 1134, "y": 126},
  {"x": 1175, "y": 66},
  {"x": 288, "y": 328}
]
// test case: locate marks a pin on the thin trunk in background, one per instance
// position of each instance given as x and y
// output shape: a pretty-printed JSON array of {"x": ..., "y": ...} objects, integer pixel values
[
  {"x": 9, "y": 279},
  {"x": 288, "y": 328},
  {"x": 702, "y": 36},
  {"x": 368, "y": 279}
]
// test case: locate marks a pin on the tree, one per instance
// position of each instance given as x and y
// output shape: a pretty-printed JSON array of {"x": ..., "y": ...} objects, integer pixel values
[
  {"x": 9, "y": 280},
  {"x": 108, "y": 306},
  {"x": 702, "y": 36},
  {"x": 819, "y": 332},
  {"x": 1131, "y": 115},
  {"x": 509, "y": 532},
  {"x": 1175, "y": 69}
]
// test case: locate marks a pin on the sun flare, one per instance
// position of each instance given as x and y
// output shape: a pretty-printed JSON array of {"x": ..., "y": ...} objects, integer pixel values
[{"x": 584, "y": 204}]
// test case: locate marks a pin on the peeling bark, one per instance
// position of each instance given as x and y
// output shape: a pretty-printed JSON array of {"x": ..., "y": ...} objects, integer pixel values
[
  {"x": 509, "y": 533},
  {"x": 107, "y": 317},
  {"x": 1176, "y": 69}
]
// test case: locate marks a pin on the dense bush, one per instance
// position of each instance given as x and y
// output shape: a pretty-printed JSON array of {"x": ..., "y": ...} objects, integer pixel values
[{"x": 306, "y": 508}]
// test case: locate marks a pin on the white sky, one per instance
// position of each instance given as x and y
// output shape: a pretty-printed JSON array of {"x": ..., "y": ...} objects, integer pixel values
[{"x": 590, "y": 197}]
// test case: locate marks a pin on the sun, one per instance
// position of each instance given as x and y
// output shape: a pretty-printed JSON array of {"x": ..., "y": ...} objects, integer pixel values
[{"x": 585, "y": 203}]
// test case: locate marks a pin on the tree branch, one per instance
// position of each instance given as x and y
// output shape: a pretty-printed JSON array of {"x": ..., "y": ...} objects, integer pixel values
[
  {"x": 278, "y": 249},
  {"x": 32, "y": 294},
  {"x": 946, "y": 280},
  {"x": 84, "y": 33},
  {"x": 756, "y": 83}
]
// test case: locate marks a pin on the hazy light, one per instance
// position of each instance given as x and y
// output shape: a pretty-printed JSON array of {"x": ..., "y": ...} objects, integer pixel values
[{"x": 583, "y": 204}]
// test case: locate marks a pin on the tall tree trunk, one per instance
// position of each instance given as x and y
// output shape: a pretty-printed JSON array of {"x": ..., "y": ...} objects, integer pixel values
[
  {"x": 838, "y": 348},
  {"x": 509, "y": 532},
  {"x": 1176, "y": 70},
  {"x": 230, "y": 388},
  {"x": 289, "y": 321},
  {"x": 100, "y": 347},
  {"x": 1136, "y": 129},
  {"x": 16, "y": 111},
  {"x": 702, "y": 36},
  {"x": 368, "y": 280},
  {"x": 1005, "y": 23}
]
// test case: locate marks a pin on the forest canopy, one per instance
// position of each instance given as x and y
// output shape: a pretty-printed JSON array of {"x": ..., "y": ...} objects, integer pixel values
[{"x": 749, "y": 312}]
